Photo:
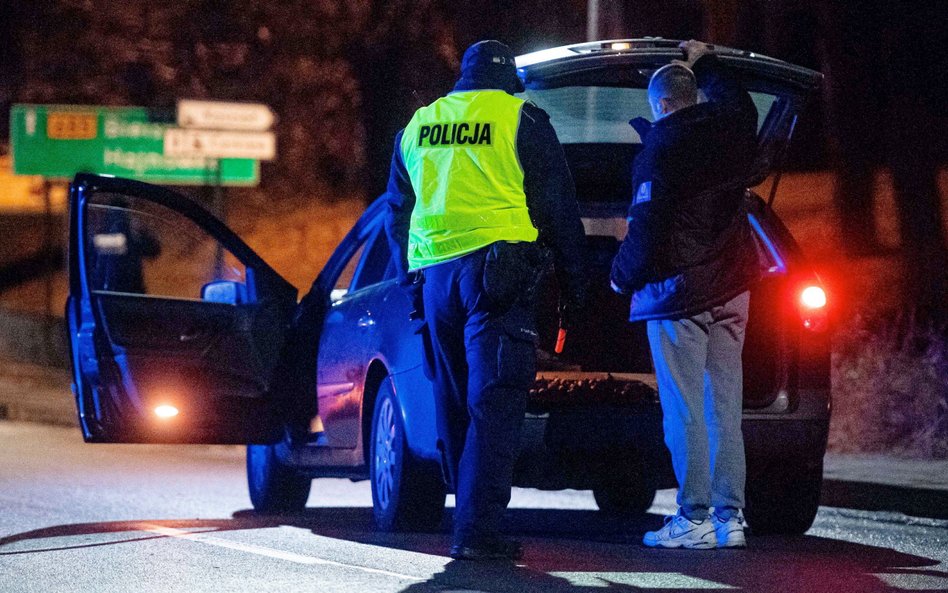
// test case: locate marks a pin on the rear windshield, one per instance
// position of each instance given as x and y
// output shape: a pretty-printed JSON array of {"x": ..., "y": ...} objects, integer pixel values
[
  {"x": 601, "y": 114},
  {"x": 592, "y": 123}
]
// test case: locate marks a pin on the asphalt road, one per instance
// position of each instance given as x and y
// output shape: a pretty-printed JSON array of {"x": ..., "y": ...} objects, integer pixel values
[{"x": 83, "y": 518}]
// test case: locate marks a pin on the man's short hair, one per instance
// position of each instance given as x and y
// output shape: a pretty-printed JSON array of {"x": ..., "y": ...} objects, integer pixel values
[{"x": 674, "y": 83}]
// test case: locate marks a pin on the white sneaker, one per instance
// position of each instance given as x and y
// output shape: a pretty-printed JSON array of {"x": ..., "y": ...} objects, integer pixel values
[
  {"x": 730, "y": 533},
  {"x": 681, "y": 532}
]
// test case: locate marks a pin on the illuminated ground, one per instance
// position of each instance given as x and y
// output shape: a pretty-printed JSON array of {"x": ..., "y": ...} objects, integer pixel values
[{"x": 132, "y": 518}]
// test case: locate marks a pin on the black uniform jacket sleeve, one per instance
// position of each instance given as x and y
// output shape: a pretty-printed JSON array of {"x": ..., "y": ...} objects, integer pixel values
[
  {"x": 551, "y": 199},
  {"x": 400, "y": 197},
  {"x": 691, "y": 151}
]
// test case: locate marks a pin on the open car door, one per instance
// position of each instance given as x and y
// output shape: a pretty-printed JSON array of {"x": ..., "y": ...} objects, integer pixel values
[{"x": 176, "y": 326}]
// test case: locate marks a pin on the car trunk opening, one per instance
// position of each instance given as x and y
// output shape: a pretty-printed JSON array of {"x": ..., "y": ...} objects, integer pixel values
[
  {"x": 607, "y": 359},
  {"x": 591, "y": 93}
]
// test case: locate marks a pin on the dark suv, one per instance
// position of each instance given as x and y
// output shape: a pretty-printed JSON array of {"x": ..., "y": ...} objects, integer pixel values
[{"x": 225, "y": 354}]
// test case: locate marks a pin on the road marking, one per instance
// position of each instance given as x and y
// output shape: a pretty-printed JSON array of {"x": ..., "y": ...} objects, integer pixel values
[
  {"x": 644, "y": 580},
  {"x": 915, "y": 580},
  {"x": 264, "y": 551}
]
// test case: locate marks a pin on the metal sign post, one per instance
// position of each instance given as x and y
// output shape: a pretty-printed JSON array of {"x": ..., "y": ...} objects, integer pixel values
[
  {"x": 49, "y": 254},
  {"x": 220, "y": 209}
]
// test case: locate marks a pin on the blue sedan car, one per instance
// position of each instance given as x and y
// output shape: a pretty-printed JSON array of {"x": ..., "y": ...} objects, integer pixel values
[{"x": 334, "y": 385}]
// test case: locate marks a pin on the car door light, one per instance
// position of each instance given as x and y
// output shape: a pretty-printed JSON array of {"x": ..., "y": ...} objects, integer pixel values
[{"x": 166, "y": 411}]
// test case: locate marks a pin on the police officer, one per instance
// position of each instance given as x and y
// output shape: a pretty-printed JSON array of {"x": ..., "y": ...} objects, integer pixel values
[
  {"x": 688, "y": 261},
  {"x": 477, "y": 179}
]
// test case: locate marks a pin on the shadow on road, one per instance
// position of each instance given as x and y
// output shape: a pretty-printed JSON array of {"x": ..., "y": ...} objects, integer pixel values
[
  {"x": 916, "y": 502},
  {"x": 576, "y": 551},
  {"x": 131, "y": 527}
]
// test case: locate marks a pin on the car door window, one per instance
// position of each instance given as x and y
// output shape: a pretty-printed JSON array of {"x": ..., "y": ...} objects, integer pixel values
[
  {"x": 344, "y": 281},
  {"x": 136, "y": 246},
  {"x": 376, "y": 266}
]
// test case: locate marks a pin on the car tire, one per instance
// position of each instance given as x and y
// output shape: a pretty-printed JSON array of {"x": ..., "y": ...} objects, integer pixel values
[
  {"x": 407, "y": 493},
  {"x": 274, "y": 487},
  {"x": 625, "y": 498},
  {"x": 783, "y": 498}
]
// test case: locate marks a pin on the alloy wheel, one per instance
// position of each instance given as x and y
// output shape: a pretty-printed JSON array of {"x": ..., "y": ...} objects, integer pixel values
[{"x": 385, "y": 454}]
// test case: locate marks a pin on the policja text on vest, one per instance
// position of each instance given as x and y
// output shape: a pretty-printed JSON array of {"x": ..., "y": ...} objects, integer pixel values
[{"x": 448, "y": 134}]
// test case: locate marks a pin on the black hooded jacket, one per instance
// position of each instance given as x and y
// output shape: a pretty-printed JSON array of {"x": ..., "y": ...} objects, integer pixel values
[
  {"x": 689, "y": 246},
  {"x": 548, "y": 185}
]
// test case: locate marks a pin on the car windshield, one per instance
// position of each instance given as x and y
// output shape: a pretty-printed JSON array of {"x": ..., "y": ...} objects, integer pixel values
[{"x": 592, "y": 123}]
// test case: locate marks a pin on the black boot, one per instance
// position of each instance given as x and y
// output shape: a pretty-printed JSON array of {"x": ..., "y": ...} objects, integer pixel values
[{"x": 495, "y": 549}]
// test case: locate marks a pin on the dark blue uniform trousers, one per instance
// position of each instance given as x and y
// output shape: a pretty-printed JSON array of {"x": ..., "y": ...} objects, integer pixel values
[{"x": 484, "y": 359}]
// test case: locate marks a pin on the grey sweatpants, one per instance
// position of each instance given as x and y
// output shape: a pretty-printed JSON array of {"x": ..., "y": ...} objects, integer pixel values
[{"x": 700, "y": 384}]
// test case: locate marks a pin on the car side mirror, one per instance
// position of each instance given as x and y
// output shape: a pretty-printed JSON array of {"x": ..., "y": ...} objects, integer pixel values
[{"x": 224, "y": 291}]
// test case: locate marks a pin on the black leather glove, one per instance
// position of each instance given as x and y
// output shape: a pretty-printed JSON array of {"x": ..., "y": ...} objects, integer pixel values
[
  {"x": 511, "y": 273},
  {"x": 573, "y": 305},
  {"x": 642, "y": 126}
]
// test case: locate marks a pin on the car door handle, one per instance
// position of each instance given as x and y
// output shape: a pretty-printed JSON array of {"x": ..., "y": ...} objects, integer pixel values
[
  {"x": 191, "y": 334},
  {"x": 366, "y": 322},
  {"x": 205, "y": 327}
]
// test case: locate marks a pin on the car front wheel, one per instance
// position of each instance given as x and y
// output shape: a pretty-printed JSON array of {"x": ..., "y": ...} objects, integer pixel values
[
  {"x": 783, "y": 497},
  {"x": 407, "y": 493},
  {"x": 274, "y": 487}
]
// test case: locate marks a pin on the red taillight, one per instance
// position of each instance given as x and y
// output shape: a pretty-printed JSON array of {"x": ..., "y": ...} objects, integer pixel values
[
  {"x": 812, "y": 307},
  {"x": 813, "y": 297}
]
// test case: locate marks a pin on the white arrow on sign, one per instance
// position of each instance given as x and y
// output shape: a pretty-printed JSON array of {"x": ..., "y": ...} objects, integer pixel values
[
  {"x": 218, "y": 115},
  {"x": 220, "y": 145}
]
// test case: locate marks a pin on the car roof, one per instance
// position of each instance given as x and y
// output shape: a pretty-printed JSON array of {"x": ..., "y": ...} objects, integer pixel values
[{"x": 652, "y": 52}]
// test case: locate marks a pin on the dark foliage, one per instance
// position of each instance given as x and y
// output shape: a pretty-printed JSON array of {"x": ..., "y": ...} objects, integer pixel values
[
  {"x": 890, "y": 386},
  {"x": 323, "y": 66},
  {"x": 343, "y": 77}
]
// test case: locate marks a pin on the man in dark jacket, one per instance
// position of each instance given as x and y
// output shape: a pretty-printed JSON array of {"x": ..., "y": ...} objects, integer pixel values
[
  {"x": 688, "y": 261},
  {"x": 478, "y": 178}
]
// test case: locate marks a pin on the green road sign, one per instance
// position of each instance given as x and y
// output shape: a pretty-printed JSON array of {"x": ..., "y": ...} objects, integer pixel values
[{"x": 62, "y": 140}]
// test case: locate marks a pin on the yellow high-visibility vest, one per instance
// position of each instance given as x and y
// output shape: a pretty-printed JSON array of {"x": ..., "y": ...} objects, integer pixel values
[{"x": 461, "y": 156}]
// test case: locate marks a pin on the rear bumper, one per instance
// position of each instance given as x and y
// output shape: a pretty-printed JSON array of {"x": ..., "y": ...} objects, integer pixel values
[
  {"x": 784, "y": 439},
  {"x": 583, "y": 429},
  {"x": 582, "y": 447}
]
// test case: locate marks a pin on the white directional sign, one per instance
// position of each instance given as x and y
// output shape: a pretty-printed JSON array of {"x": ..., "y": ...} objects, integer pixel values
[
  {"x": 221, "y": 145},
  {"x": 218, "y": 115}
]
